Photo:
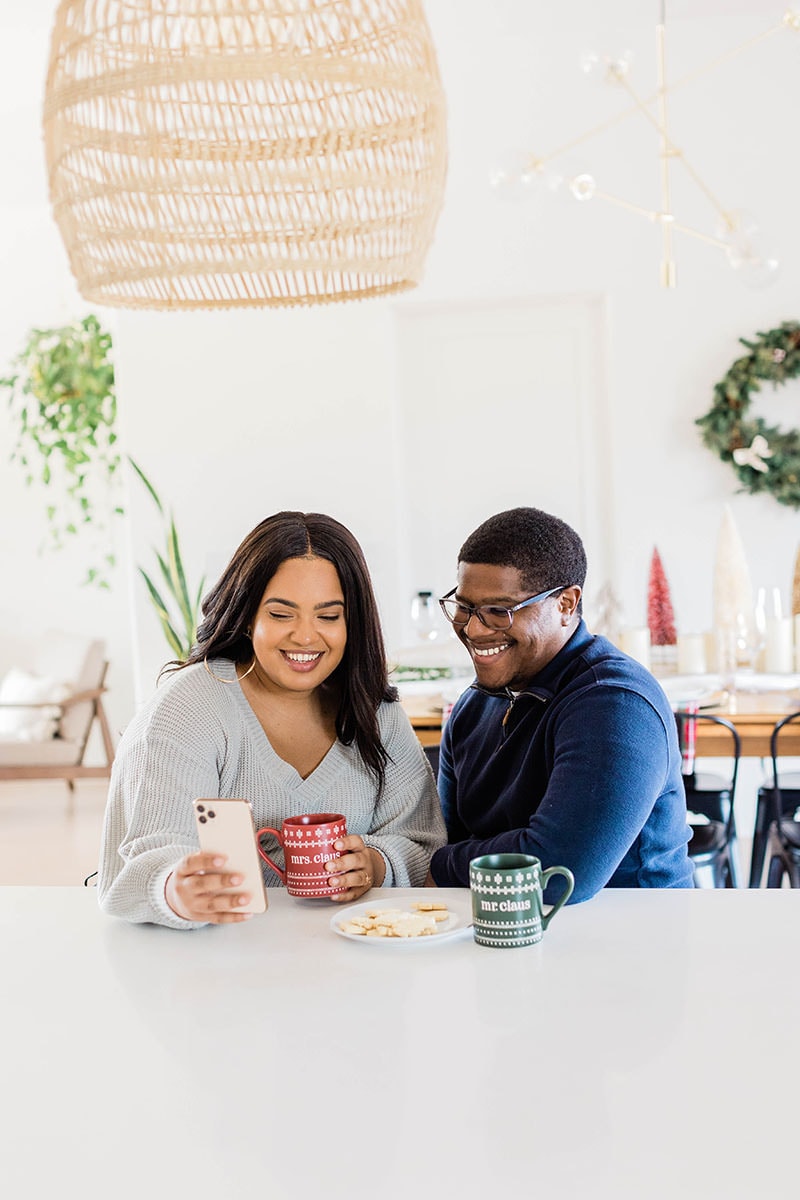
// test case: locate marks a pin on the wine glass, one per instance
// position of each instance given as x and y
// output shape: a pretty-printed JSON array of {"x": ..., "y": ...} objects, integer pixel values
[{"x": 751, "y": 631}]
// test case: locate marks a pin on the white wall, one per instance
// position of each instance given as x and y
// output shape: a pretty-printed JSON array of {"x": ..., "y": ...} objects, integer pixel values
[
  {"x": 237, "y": 415},
  {"x": 40, "y": 590}
]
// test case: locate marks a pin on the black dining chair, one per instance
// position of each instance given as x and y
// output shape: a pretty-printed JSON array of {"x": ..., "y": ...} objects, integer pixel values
[
  {"x": 713, "y": 843},
  {"x": 432, "y": 755},
  {"x": 780, "y": 799},
  {"x": 789, "y": 784}
]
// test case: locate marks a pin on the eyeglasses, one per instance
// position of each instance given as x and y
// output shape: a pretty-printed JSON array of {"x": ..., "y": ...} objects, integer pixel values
[{"x": 493, "y": 616}]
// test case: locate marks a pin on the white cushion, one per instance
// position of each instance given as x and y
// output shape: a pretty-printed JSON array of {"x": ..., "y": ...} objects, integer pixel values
[
  {"x": 55, "y": 753},
  {"x": 79, "y": 661},
  {"x": 30, "y": 724}
]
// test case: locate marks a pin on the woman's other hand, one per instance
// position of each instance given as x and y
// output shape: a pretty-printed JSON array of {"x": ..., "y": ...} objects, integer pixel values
[
  {"x": 196, "y": 890},
  {"x": 357, "y": 870}
]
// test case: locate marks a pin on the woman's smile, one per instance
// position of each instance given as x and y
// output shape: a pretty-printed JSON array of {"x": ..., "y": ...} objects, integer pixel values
[{"x": 302, "y": 661}]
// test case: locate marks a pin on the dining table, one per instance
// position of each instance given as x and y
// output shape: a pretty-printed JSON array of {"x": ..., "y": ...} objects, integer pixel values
[
  {"x": 751, "y": 708},
  {"x": 645, "y": 1049}
]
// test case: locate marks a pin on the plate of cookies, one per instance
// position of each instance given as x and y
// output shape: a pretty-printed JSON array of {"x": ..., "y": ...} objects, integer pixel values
[{"x": 417, "y": 921}]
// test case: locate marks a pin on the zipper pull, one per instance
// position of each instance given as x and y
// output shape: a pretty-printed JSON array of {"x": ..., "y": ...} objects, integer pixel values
[{"x": 507, "y": 713}]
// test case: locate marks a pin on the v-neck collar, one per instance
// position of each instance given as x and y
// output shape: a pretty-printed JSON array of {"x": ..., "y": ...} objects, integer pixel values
[{"x": 323, "y": 775}]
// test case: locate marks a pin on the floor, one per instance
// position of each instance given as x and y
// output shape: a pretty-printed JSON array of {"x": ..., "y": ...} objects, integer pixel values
[{"x": 49, "y": 836}]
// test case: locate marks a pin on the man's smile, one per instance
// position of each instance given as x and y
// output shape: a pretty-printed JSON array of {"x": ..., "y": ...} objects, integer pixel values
[{"x": 488, "y": 651}]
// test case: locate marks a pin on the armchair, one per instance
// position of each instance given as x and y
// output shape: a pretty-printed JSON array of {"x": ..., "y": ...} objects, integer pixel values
[{"x": 48, "y": 708}]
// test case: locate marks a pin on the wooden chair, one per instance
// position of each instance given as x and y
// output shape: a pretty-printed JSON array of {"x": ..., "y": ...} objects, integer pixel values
[
  {"x": 79, "y": 663},
  {"x": 783, "y": 837},
  {"x": 714, "y": 842}
]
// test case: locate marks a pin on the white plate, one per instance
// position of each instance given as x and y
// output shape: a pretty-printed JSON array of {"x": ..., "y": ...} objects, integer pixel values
[
  {"x": 456, "y": 923},
  {"x": 761, "y": 682},
  {"x": 685, "y": 689}
]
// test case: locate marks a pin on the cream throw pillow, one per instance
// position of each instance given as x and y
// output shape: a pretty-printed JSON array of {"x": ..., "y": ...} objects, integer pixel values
[{"x": 30, "y": 724}]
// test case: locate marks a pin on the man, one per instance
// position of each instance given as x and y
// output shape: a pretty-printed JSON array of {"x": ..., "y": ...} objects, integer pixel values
[{"x": 563, "y": 747}]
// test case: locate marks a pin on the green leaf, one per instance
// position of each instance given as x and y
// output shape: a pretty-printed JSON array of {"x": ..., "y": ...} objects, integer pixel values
[
  {"x": 158, "y": 603},
  {"x": 176, "y": 569},
  {"x": 147, "y": 484}
]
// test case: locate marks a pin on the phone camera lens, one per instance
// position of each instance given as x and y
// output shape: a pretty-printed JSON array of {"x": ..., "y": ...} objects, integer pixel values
[
  {"x": 211, "y": 813},
  {"x": 201, "y": 808},
  {"x": 202, "y": 820}
]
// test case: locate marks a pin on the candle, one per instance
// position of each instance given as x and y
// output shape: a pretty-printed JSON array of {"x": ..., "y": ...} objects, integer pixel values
[
  {"x": 636, "y": 642},
  {"x": 691, "y": 653},
  {"x": 778, "y": 652}
]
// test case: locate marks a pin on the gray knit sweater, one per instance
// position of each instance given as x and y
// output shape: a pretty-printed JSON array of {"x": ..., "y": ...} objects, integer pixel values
[{"x": 198, "y": 737}]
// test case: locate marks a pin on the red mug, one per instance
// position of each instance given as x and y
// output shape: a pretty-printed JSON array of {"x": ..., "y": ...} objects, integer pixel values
[{"x": 307, "y": 844}]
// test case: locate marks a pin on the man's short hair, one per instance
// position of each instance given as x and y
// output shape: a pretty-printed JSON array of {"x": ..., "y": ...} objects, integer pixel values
[{"x": 546, "y": 551}]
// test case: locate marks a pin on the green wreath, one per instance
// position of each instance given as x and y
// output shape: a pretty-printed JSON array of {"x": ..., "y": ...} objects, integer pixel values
[{"x": 764, "y": 457}]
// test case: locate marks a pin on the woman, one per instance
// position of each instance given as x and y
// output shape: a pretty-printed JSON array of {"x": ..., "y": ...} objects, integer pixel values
[{"x": 284, "y": 701}]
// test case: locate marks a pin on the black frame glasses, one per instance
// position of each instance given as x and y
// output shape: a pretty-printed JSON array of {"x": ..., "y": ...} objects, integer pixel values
[{"x": 493, "y": 616}]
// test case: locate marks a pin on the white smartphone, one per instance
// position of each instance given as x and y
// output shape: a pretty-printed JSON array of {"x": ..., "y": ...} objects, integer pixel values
[{"x": 226, "y": 827}]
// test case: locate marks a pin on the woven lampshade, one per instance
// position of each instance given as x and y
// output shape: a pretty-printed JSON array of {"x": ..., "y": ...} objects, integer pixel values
[{"x": 213, "y": 153}]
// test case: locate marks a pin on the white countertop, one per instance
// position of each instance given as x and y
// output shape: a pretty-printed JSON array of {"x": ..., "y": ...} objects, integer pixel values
[{"x": 646, "y": 1049}]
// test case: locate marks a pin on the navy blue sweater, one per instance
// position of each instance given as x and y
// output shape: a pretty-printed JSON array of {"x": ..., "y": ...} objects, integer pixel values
[{"x": 582, "y": 769}]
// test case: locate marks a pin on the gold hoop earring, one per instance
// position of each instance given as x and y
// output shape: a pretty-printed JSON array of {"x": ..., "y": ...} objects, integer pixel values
[{"x": 238, "y": 678}]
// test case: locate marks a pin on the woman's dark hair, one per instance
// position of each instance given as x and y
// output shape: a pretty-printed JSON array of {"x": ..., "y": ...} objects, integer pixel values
[
  {"x": 229, "y": 610},
  {"x": 546, "y": 551}
]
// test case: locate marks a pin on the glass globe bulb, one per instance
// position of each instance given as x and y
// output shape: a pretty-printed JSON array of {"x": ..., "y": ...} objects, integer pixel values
[
  {"x": 583, "y": 187},
  {"x": 515, "y": 175},
  {"x": 522, "y": 178},
  {"x": 542, "y": 178},
  {"x": 755, "y": 269},
  {"x": 738, "y": 228},
  {"x": 754, "y": 262},
  {"x": 606, "y": 68}
]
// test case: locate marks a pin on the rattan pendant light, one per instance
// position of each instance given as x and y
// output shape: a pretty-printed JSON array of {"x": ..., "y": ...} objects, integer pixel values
[{"x": 215, "y": 153}]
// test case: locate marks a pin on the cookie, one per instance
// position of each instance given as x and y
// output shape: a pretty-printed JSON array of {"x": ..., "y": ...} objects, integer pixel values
[{"x": 397, "y": 922}]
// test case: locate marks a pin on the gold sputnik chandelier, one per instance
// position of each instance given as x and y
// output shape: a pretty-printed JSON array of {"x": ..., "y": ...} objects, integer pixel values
[
  {"x": 219, "y": 153},
  {"x": 736, "y": 234}
]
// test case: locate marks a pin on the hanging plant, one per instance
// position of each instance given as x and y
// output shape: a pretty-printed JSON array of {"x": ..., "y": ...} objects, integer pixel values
[
  {"x": 765, "y": 457},
  {"x": 62, "y": 397}
]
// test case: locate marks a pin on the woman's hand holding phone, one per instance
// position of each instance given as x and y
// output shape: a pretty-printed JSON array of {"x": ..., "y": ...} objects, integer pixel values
[{"x": 199, "y": 890}]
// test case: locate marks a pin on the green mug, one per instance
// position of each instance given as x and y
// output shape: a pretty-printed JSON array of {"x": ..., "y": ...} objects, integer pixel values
[{"x": 507, "y": 898}]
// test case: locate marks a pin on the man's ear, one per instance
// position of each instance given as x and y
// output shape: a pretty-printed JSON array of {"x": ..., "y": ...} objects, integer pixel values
[{"x": 568, "y": 603}]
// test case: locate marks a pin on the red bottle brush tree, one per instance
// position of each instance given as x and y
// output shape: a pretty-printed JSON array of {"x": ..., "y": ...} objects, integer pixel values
[{"x": 660, "y": 614}]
